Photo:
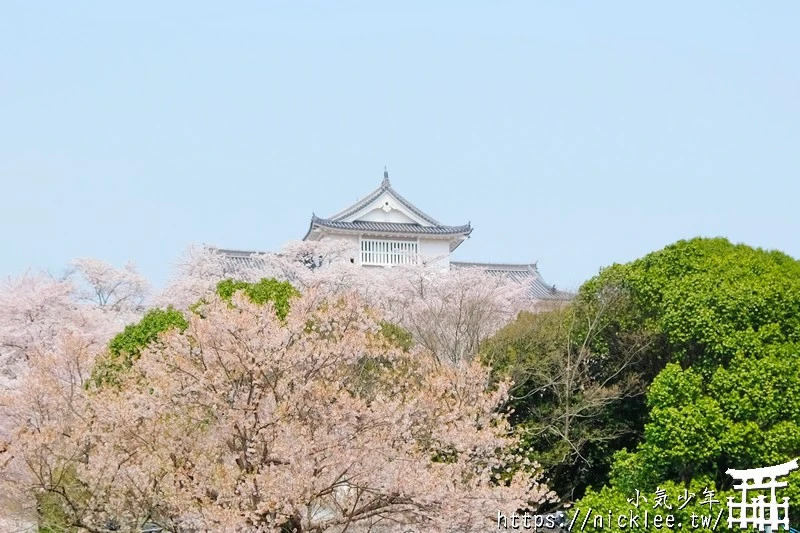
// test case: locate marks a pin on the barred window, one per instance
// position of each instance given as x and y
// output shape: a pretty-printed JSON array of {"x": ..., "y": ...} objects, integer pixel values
[{"x": 388, "y": 252}]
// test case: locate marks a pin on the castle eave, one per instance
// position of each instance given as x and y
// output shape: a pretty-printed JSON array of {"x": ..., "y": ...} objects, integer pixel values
[{"x": 322, "y": 225}]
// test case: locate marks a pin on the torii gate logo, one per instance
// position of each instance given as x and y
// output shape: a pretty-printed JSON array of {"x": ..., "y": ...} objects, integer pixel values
[{"x": 759, "y": 513}]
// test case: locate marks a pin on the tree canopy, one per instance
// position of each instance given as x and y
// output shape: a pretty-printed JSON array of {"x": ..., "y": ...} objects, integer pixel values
[
  {"x": 262, "y": 409},
  {"x": 661, "y": 374},
  {"x": 728, "y": 321},
  {"x": 693, "y": 370}
]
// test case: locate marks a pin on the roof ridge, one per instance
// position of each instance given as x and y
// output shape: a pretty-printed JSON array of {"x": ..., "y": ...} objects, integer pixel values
[
  {"x": 411, "y": 206},
  {"x": 360, "y": 204}
]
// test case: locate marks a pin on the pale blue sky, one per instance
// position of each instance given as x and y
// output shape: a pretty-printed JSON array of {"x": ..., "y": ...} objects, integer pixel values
[{"x": 575, "y": 134}]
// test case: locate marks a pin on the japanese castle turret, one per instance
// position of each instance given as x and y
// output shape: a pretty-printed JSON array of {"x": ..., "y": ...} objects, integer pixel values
[{"x": 388, "y": 230}]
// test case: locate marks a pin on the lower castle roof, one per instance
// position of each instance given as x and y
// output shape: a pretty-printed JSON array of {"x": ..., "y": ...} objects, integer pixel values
[
  {"x": 237, "y": 260},
  {"x": 521, "y": 273}
]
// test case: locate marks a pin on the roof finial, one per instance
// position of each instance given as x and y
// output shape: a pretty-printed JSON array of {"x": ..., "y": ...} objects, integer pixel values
[{"x": 385, "y": 182}]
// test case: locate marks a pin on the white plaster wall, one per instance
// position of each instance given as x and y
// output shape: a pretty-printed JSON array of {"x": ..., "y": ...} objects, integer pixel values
[
  {"x": 352, "y": 240},
  {"x": 436, "y": 251},
  {"x": 433, "y": 251},
  {"x": 375, "y": 213},
  {"x": 379, "y": 215}
]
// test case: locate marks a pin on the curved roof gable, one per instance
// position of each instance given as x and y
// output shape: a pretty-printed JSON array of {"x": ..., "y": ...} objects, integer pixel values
[
  {"x": 374, "y": 200},
  {"x": 384, "y": 211}
]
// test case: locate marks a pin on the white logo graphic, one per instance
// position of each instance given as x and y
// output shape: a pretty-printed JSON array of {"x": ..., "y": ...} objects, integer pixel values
[{"x": 765, "y": 515}]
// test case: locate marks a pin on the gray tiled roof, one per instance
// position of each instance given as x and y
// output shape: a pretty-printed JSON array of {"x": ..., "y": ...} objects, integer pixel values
[
  {"x": 521, "y": 273},
  {"x": 235, "y": 260},
  {"x": 337, "y": 221},
  {"x": 389, "y": 227},
  {"x": 433, "y": 229}
]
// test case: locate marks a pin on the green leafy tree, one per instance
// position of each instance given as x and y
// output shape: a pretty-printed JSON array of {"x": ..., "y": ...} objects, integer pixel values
[
  {"x": 619, "y": 508},
  {"x": 279, "y": 293},
  {"x": 709, "y": 300},
  {"x": 728, "y": 318},
  {"x": 127, "y": 346},
  {"x": 575, "y": 381}
]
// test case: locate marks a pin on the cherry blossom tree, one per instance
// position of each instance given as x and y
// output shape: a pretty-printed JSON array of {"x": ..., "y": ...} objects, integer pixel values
[
  {"x": 197, "y": 270},
  {"x": 116, "y": 289},
  {"x": 52, "y": 329},
  {"x": 37, "y": 311},
  {"x": 40, "y": 412},
  {"x": 41, "y": 314},
  {"x": 92, "y": 302},
  {"x": 450, "y": 312},
  {"x": 200, "y": 268},
  {"x": 246, "y": 421},
  {"x": 32, "y": 311}
]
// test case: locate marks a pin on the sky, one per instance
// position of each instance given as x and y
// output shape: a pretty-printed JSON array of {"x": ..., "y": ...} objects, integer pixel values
[{"x": 573, "y": 134}]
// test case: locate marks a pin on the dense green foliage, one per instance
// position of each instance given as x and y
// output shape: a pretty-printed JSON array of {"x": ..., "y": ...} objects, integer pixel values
[
  {"x": 711, "y": 300},
  {"x": 279, "y": 293},
  {"x": 695, "y": 507},
  {"x": 719, "y": 328},
  {"x": 126, "y": 347},
  {"x": 728, "y": 317}
]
